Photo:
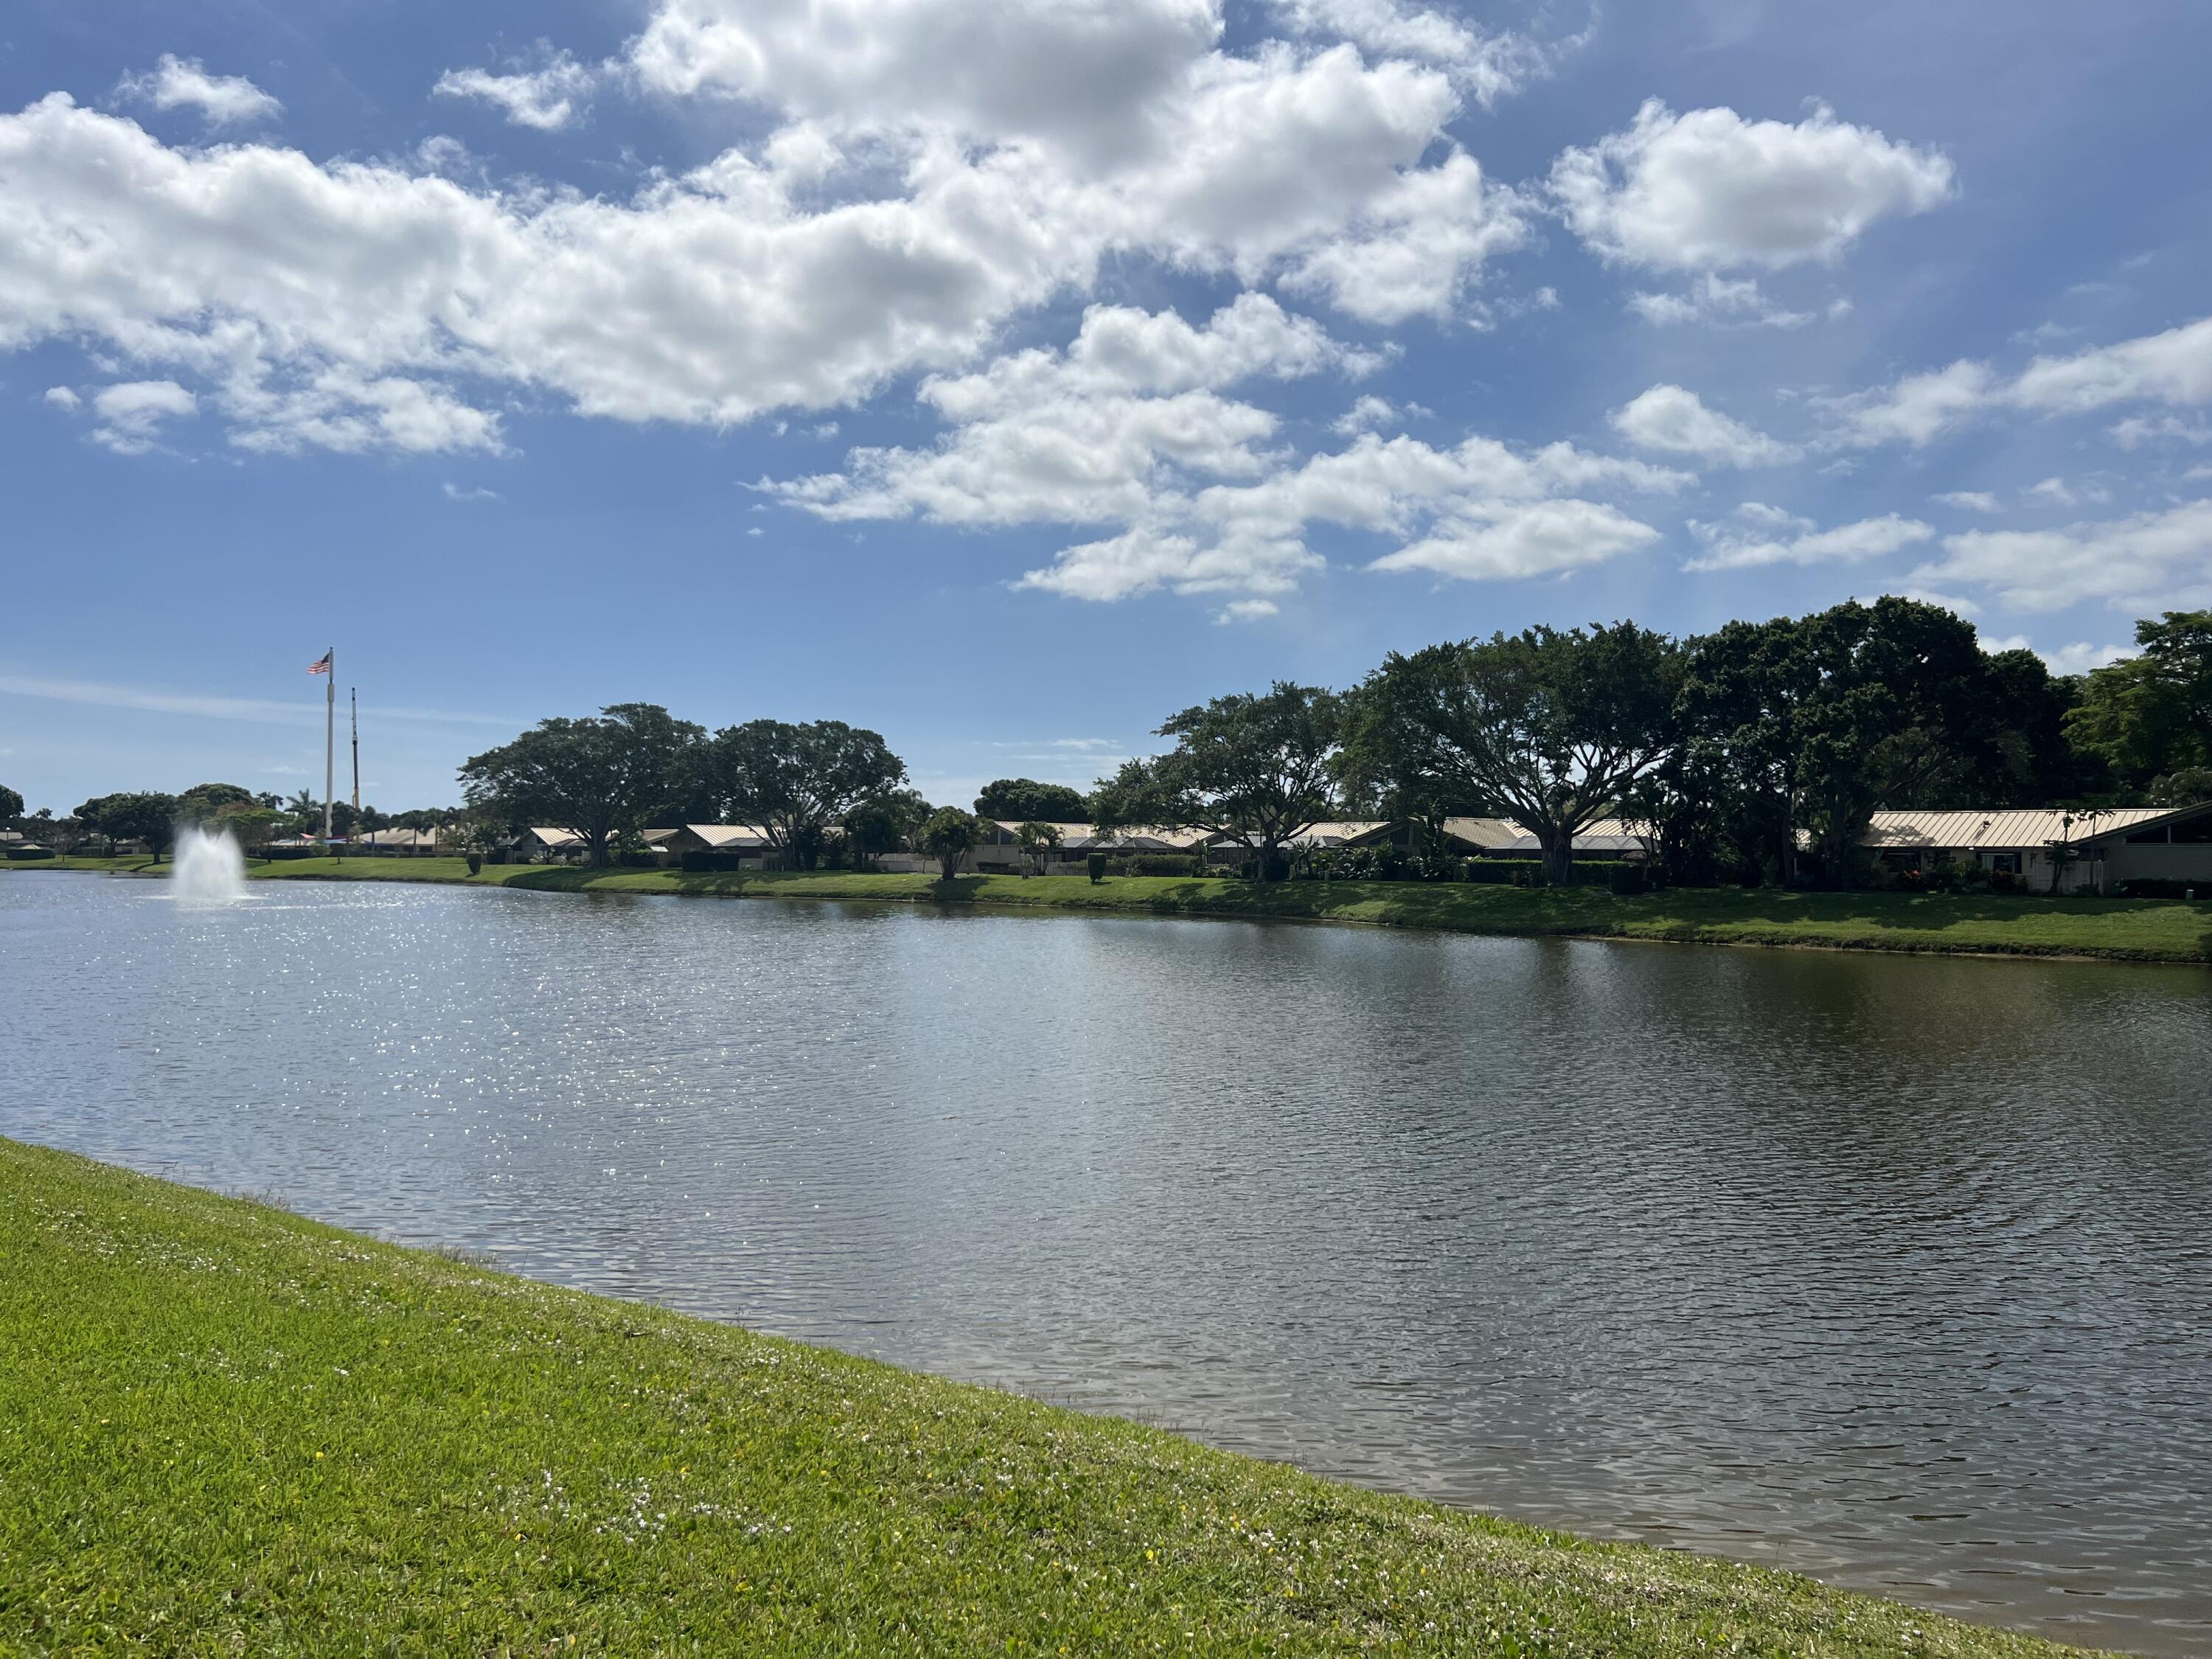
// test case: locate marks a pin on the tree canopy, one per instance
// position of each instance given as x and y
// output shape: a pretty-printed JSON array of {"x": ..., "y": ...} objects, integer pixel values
[
  {"x": 11, "y": 804},
  {"x": 946, "y": 835},
  {"x": 884, "y": 823},
  {"x": 1025, "y": 799},
  {"x": 2150, "y": 716},
  {"x": 797, "y": 782},
  {"x": 1550, "y": 728},
  {"x": 148, "y": 817},
  {"x": 601, "y": 776},
  {"x": 204, "y": 802},
  {"x": 1252, "y": 767}
]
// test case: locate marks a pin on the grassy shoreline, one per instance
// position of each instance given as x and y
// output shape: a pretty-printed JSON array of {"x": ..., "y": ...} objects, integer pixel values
[
  {"x": 2135, "y": 930},
  {"x": 227, "y": 1429}
]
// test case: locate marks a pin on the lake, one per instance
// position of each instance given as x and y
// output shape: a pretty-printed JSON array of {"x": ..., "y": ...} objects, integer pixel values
[{"x": 1895, "y": 1271}]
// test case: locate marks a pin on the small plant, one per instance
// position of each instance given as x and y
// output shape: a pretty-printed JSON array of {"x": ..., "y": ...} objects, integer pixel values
[
  {"x": 1095, "y": 864},
  {"x": 476, "y": 864}
]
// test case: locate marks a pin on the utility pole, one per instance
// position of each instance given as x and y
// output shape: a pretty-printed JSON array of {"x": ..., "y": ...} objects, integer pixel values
[{"x": 329, "y": 736}]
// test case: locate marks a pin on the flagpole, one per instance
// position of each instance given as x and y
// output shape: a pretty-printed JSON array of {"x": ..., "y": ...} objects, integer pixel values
[
  {"x": 353, "y": 716},
  {"x": 330, "y": 738}
]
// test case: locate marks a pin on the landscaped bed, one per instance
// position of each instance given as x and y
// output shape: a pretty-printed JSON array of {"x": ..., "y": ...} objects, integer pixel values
[
  {"x": 227, "y": 1430},
  {"x": 2147, "y": 930}
]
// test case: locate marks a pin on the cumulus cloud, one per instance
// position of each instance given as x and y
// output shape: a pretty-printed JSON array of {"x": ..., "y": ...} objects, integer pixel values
[
  {"x": 132, "y": 412},
  {"x": 927, "y": 170},
  {"x": 2155, "y": 561},
  {"x": 1130, "y": 428},
  {"x": 1709, "y": 190},
  {"x": 1489, "y": 65},
  {"x": 547, "y": 98},
  {"x": 1764, "y": 535},
  {"x": 184, "y": 84},
  {"x": 1672, "y": 420},
  {"x": 2079, "y": 658},
  {"x": 1968, "y": 501},
  {"x": 62, "y": 397},
  {"x": 2174, "y": 368}
]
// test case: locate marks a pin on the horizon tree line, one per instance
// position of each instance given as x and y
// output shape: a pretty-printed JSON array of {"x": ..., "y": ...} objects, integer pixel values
[{"x": 1724, "y": 750}]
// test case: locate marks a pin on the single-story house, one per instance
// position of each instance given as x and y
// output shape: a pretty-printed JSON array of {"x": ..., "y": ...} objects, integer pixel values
[
  {"x": 2093, "y": 851},
  {"x": 748, "y": 843},
  {"x": 549, "y": 844},
  {"x": 413, "y": 843}
]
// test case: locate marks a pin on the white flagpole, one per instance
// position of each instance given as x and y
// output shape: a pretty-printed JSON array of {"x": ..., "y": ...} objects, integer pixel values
[{"x": 330, "y": 738}]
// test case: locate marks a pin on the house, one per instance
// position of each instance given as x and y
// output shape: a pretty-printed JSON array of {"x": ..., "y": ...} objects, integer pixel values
[
  {"x": 734, "y": 846},
  {"x": 413, "y": 843},
  {"x": 545, "y": 844},
  {"x": 2057, "y": 850}
]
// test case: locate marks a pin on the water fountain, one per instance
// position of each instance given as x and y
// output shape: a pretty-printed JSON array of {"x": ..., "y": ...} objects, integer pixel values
[{"x": 208, "y": 868}]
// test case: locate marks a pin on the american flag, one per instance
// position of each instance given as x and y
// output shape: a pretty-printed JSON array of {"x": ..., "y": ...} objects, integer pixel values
[{"x": 322, "y": 667}]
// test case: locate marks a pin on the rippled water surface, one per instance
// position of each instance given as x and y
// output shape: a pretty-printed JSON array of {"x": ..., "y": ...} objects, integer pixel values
[{"x": 1897, "y": 1272}]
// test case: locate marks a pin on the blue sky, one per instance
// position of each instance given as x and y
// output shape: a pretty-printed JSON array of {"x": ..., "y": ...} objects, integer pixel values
[{"x": 1004, "y": 378}]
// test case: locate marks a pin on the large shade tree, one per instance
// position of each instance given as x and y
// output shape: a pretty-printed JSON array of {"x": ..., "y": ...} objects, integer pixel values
[
  {"x": 797, "y": 782},
  {"x": 601, "y": 776},
  {"x": 144, "y": 817},
  {"x": 2150, "y": 716},
  {"x": 11, "y": 806},
  {"x": 1253, "y": 768},
  {"x": 1551, "y": 728},
  {"x": 1014, "y": 800}
]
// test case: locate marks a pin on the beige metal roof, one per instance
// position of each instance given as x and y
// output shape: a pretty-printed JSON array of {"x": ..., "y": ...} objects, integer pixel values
[
  {"x": 2005, "y": 829},
  {"x": 1341, "y": 833},
  {"x": 1484, "y": 832},
  {"x": 730, "y": 837}
]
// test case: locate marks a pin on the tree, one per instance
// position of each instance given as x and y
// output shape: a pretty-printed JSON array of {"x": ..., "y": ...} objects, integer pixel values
[
  {"x": 798, "y": 782},
  {"x": 251, "y": 824},
  {"x": 1551, "y": 729},
  {"x": 204, "y": 802},
  {"x": 884, "y": 823},
  {"x": 1038, "y": 839},
  {"x": 1895, "y": 708},
  {"x": 11, "y": 806},
  {"x": 1254, "y": 768},
  {"x": 1019, "y": 799},
  {"x": 946, "y": 835},
  {"x": 599, "y": 776},
  {"x": 151, "y": 818},
  {"x": 2152, "y": 715}
]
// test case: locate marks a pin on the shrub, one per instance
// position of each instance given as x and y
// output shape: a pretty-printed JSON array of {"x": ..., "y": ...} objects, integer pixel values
[
  {"x": 29, "y": 855},
  {"x": 1628, "y": 879},
  {"x": 1494, "y": 872},
  {"x": 476, "y": 864},
  {"x": 704, "y": 860},
  {"x": 2161, "y": 887},
  {"x": 1159, "y": 864},
  {"x": 635, "y": 860},
  {"x": 1095, "y": 864}
]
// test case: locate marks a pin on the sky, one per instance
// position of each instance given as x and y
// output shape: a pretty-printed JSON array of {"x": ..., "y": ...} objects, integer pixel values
[{"x": 1006, "y": 377}]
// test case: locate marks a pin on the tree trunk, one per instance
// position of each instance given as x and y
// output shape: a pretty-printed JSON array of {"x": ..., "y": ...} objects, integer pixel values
[{"x": 1558, "y": 860}]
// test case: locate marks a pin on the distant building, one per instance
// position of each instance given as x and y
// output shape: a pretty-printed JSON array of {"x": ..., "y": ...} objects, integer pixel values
[{"x": 2094, "y": 852}]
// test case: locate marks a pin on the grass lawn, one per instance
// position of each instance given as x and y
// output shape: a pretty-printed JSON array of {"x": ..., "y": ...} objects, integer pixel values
[
  {"x": 2149, "y": 930},
  {"x": 225, "y": 1429}
]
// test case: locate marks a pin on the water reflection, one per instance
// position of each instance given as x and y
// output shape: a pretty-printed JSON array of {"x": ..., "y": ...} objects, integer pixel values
[{"x": 1890, "y": 1270}]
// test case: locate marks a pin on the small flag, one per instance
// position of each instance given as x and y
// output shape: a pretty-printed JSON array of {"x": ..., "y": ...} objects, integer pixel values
[{"x": 322, "y": 667}]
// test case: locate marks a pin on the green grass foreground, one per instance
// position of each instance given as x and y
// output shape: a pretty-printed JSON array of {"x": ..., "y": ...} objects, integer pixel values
[
  {"x": 2142, "y": 930},
  {"x": 224, "y": 1429}
]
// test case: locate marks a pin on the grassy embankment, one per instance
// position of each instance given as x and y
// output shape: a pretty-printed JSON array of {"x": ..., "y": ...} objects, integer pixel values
[
  {"x": 2149, "y": 930},
  {"x": 227, "y": 1430}
]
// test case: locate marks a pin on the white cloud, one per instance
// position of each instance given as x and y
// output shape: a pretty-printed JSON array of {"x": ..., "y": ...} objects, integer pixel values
[
  {"x": 2138, "y": 430},
  {"x": 202, "y": 706},
  {"x": 1723, "y": 301},
  {"x": 2174, "y": 368},
  {"x": 2080, "y": 657},
  {"x": 927, "y": 170},
  {"x": 547, "y": 98},
  {"x": 181, "y": 83},
  {"x": 1366, "y": 413},
  {"x": 1968, "y": 500},
  {"x": 2058, "y": 493},
  {"x": 455, "y": 493},
  {"x": 1245, "y": 611},
  {"x": 1497, "y": 541},
  {"x": 1917, "y": 410},
  {"x": 1730, "y": 549},
  {"x": 2158, "y": 561},
  {"x": 1672, "y": 420},
  {"x": 132, "y": 413},
  {"x": 1489, "y": 65},
  {"x": 1709, "y": 190},
  {"x": 62, "y": 397}
]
